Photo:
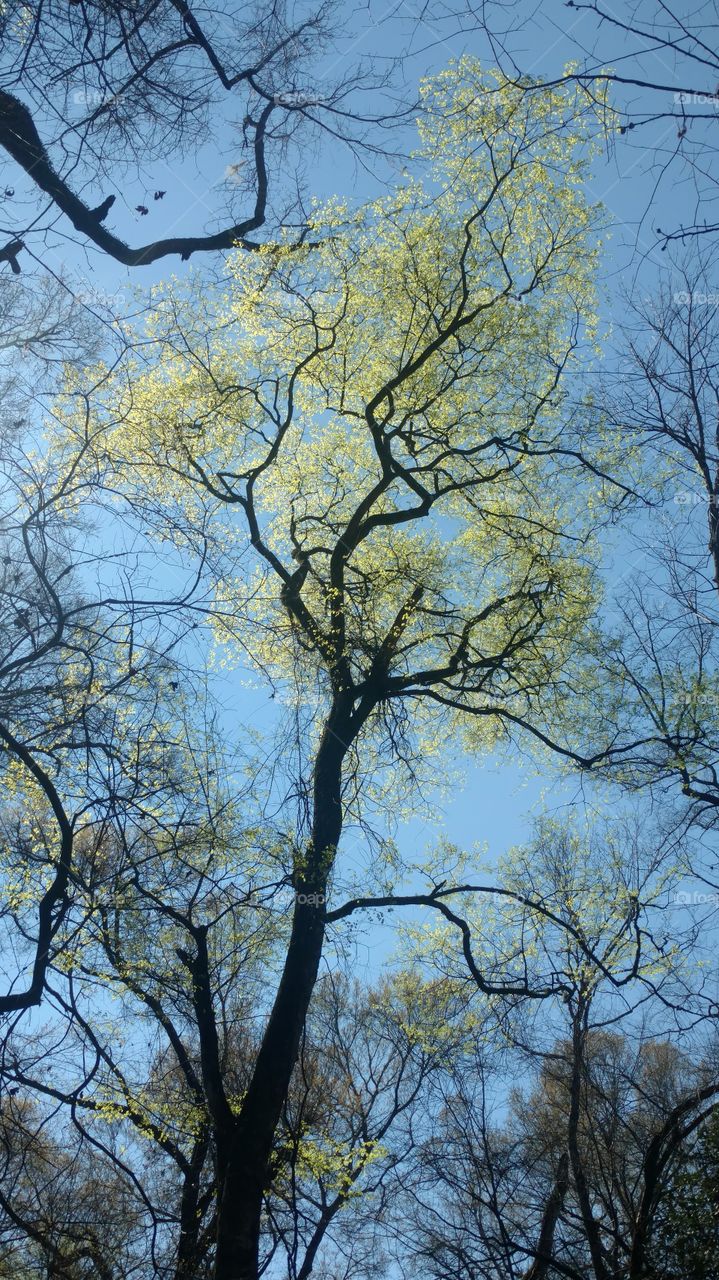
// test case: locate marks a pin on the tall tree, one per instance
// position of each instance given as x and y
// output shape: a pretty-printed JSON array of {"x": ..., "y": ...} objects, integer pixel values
[{"x": 350, "y": 406}]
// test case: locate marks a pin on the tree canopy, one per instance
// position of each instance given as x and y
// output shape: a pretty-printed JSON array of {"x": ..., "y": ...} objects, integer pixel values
[{"x": 384, "y": 488}]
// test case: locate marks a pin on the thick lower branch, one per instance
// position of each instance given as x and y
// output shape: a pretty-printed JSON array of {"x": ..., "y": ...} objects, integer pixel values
[{"x": 21, "y": 140}]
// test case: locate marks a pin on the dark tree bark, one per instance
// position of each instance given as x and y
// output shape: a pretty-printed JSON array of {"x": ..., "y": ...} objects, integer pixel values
[{"x": 245, "y": 1148}]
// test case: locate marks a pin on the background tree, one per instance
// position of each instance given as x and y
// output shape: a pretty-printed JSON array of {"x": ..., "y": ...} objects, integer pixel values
[
  {"x": 77, "y": 643},
  {"x": 101, "y": 103},
  {"x": 685, "y": 1234},
  {"x": 661, "y": 62},
  {"x": 568, "y": 1176},
  {"x": 63, "y": 1211},
  {"x": 659, "y": 652}
]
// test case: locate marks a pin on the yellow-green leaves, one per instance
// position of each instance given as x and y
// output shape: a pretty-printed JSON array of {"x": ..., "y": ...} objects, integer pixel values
[{"x": 375, "y": 425}]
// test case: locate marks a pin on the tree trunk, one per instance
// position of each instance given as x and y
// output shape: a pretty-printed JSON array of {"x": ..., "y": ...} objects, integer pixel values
[
  {"x": 189, "y": 1253},
  {"x": 581, "y": 1186},
  {"x": 246, "y": 1156}
]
